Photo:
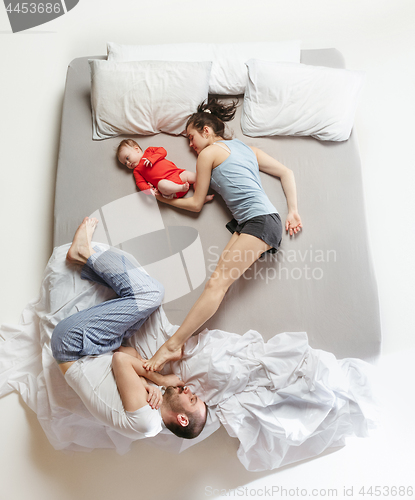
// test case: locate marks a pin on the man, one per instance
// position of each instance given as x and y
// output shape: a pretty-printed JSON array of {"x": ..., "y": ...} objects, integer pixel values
[{"x": 104, "y": 327}]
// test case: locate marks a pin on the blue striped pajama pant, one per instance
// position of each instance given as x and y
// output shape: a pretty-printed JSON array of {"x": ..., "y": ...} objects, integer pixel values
[{"x": 103, "y": 327}]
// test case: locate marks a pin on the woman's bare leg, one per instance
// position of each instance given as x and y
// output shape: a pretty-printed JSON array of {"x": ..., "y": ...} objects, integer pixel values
[
  {"x": 81, "y": 248},
  {"x": 235, "y": 260}
]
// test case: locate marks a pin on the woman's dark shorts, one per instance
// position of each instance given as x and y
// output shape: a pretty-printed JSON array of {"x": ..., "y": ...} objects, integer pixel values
[{"x": 267, "y": 228}]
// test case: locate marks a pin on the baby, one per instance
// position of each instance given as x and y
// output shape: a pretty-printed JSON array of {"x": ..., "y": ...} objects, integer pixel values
[{"x": 152, "y": 171}]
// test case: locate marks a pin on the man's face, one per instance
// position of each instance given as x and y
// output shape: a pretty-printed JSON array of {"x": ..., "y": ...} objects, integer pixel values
[{"x": 182, "y": 397}]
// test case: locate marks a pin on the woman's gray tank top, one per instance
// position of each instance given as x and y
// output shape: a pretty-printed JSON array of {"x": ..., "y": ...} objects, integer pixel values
[{"x": 237, "y": 181}]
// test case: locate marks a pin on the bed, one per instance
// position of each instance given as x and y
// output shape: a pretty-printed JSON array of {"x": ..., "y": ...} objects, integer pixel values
[
  {"x": 320, "y": 281},
  {"x": 283, "y": 400}
]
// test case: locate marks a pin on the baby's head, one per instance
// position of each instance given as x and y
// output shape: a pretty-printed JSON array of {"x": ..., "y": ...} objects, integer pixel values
[{"x": 129, "y": 153}]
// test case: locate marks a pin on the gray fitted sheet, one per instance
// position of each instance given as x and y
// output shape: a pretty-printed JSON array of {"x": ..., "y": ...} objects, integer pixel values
[{"x": 321, "y": 282}]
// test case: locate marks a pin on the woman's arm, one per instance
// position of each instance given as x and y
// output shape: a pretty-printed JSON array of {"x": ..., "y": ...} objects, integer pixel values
[
  {"x": 203, "y": 172},
  {"x": 273, "y": 167}
]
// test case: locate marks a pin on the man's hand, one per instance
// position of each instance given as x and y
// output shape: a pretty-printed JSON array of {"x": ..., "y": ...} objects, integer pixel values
[
  {"x": 172, "y": 380},
  {"x": 154, "y": 397},
  {"x": 293, "y": 223}
]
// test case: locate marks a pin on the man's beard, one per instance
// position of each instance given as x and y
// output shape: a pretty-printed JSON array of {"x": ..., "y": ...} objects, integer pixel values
[{"x": 170, "y": 398}]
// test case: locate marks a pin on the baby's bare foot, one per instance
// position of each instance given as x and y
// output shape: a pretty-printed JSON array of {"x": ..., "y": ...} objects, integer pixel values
[
  {"x": 81, "y": 248},
  {"x": 185, "y": 187}
]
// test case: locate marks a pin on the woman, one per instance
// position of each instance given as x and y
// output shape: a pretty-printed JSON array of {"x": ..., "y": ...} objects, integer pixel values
[{"x": 232, "y": 168}]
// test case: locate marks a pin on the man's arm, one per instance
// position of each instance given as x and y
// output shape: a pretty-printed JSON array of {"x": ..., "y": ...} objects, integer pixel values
[
  {"x": 155, "y": 377},
  {"x": 133, "y": 388}
]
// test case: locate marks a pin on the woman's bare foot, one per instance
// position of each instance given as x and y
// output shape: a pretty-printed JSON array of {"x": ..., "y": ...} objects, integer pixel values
[
  {"x": 81, "y": 248},
  {"x": 165, "y": 354}
]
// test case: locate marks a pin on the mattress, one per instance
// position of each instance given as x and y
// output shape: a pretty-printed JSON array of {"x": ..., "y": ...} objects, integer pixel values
[{"x": 321, "y": 281}]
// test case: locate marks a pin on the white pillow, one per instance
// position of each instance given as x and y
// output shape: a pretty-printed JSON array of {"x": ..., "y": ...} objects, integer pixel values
[
  {"x": 145, "y": 97},
  {"x": 297, "y": 99},
  {"x": 229, "y": 75}
]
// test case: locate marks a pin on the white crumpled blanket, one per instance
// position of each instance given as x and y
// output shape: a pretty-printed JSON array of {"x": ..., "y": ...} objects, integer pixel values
[{"x": 282, "y": 399}]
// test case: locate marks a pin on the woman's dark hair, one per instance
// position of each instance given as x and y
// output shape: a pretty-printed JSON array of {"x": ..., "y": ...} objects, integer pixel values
[{"x": 213, "y": 114}]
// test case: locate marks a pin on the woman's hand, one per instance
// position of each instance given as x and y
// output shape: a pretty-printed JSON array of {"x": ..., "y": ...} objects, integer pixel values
[
  {"x": 154, "y": 397},
  {"x": 293, "y": 223}
]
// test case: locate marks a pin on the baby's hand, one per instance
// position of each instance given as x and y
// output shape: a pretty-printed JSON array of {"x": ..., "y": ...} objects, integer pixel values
[
  {"x": 209, "y": 197},
  {"x": 147, "y": 163},
  {"x": 151, "y": 191}
]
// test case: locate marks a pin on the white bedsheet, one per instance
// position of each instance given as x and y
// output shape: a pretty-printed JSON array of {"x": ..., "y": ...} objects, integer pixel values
[{"x": 282, "y": 399}]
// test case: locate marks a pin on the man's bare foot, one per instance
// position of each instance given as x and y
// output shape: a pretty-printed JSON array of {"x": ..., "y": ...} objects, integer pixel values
[
  {"x": 162, "y": 356},
  {"x": 81, "y": 248}
]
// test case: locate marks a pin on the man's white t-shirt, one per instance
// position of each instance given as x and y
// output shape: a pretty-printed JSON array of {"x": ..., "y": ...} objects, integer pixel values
[{"x": 92, "y": 379}]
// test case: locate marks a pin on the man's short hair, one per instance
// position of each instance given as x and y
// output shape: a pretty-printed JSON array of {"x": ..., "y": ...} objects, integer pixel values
[{"x": 193, "y": 429}]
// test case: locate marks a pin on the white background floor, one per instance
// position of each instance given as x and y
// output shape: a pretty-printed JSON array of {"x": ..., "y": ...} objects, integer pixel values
[{"x": 377, "y": 36}]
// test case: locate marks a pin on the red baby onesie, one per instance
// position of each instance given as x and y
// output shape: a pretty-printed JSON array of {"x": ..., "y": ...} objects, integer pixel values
[{"x": 161, "y": 169}]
